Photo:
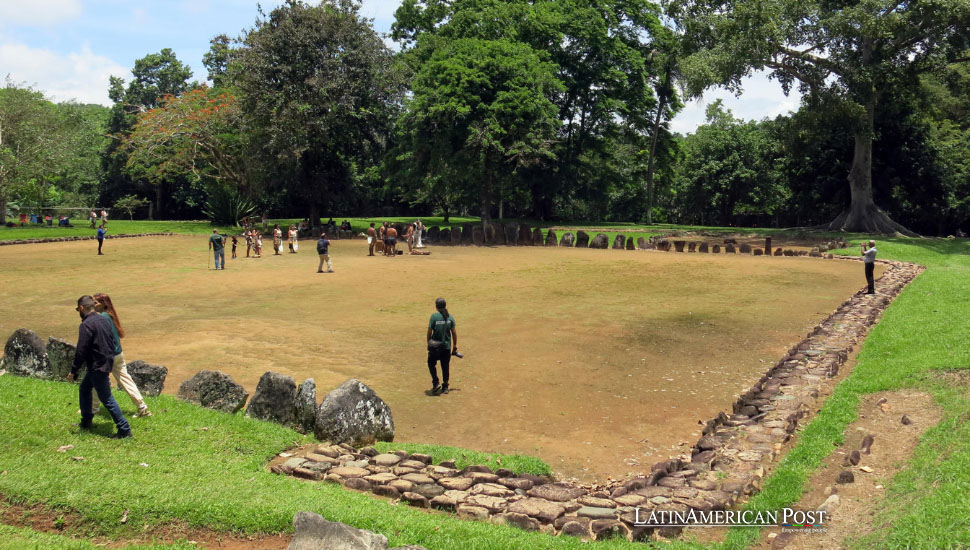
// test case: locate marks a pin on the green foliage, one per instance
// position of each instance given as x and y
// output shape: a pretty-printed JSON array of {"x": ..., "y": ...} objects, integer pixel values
[
  {"x": 226, "y": 206},
  {"x": 130, "y": 203},
  {"x": 319, "y": 90}
]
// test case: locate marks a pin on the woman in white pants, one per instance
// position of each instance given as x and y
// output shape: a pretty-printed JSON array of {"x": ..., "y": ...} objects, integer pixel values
[{"x": 104, "y": 307}]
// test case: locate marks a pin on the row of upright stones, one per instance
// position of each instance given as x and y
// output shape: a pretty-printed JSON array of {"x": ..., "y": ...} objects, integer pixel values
[
  {"x": 727, "y": 463},
  {"x": 514, "y": 234},
  {"x": 81, "y": 238},
  {"x": 352, "y": 413}
]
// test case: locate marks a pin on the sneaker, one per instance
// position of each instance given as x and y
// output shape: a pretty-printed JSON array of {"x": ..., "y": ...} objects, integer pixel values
[
  {"x": 436, "y": 389},
  {"x": 120, "y": 435},
  {"x": 319, "y": 271},
  {"x": 444, "y": 388},
  {"x": 85, "y": 425},
  {"x": 329, "y": 271},
  {"x": 143, "y": 412}
]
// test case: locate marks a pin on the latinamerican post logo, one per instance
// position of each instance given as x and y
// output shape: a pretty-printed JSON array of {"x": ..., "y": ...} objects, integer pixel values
[{"x": 788, "y": 519}]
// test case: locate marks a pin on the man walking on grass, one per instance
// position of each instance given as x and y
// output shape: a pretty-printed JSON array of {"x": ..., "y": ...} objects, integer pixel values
[
  {"x": 95, "y": 349},
  {"x": 869, "y": 258},
  {"x": 323, "y": 249},
  {"x": 218, "y": 247}
]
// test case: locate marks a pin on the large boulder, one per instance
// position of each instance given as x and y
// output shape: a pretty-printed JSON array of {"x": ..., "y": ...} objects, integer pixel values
[
  {"x": 354, "y": 414},
  {"x": 630, "y": 245},
  {"x": 511, "y": 234},
  {"x": 306, "y": 406},
  {"x": 537, "y": 237},
  {"x": 467, "y": 233},
  {"x": 432, "y": 234},
  {"x": 478, "y": 235},
  {"x": 619, "y": 243},
  {"x": 444, "y": 236},
  {"x": 641, "y": 243},
  {"x": 60, "y": 357},
  {"x": 456, "y": 236},
  {"x": 551, "y": 238},
  {"x": 568, "y": 239},
  {"x": 214, "y": 390},
  {"x": 525, "y": 236},
  {"x": 274, "y": 399},
  {"x": 150, "y": 379},
  {"x": 312, "y": 532},
  {"x": 600, "y": 241},
  {"x": 582, "y": 239},
  {"x": 26, "y": 355},
  {"x": 494, "y": 234}
]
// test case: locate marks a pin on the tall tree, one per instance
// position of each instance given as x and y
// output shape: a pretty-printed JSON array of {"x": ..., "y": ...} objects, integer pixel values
[
  {"x": 480, "y": 110},
  {"x": 846, "y": 52},
  {"x": 153, "y": 77},
  {"x": 320, "y": 90}
]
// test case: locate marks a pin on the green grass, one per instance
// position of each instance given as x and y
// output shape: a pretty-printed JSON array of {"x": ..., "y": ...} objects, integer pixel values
[
  {"x": 922, "y": 332},
  {"x": 204, "y": 469},
  {"x": 115, "y": 227},
  {"x": 14, "y": 538},
  {"x": 522, "y": 464}
]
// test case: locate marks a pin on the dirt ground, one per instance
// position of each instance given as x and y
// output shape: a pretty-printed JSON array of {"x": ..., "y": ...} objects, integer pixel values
[
  {"x": 601, "y": 362},
  {"x": 893, "y": 443}
]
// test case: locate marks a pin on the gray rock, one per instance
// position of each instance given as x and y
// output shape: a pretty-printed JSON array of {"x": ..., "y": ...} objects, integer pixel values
[
  {"x": 630, "y": 245},
  {"x": 434, "y": 233},
  {"x": 150, "y": 379},
  {"x": 593, "y": 512},
  {"x": 306, "y": 405},
  {"x": 511, "y": 234},
  {"x": 60, "y": 357},
  {"x": 525, "y": 236},
  {"x": 274, "y": 399},
  {"x": 567, "y": 239},
  {"x": 600, "y": 241},
  {"x": 745, "y": 248},
  {"x": 214, "y": 390},
  {"x": 354, "y": 414},
  {"x": 537, "y": 237},
  {"x": 702, "y": 248},
  {"x": 641, "y": 243},
  {"x": 312, "y": 532},
  {"x": 455, "y": 236},
  {"x": 444, "y": 236},
  {"x": 557, "y": 492},
  {"x": 551, "y": 238},
  {"x": 478, "y": 235},
  {"x": 467, "y": 231},
  {"x": 26, "y": 355},
  {"x": 582, "y": 239},
  {"x": 619, "y": 243}
]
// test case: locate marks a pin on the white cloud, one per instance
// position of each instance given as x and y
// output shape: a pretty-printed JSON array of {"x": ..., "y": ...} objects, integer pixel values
[
  {"x": 39, "y": 12},
  {"x": 81, "y": 75},
  {"x": 762, "y": 98}
]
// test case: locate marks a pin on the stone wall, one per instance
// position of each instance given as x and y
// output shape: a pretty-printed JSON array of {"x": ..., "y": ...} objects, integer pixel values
[{"x": 66, "y": 239}]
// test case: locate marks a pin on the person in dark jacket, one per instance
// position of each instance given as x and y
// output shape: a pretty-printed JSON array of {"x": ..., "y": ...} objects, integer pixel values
[
  {"x": 95, "y": 349},
  {"x": 323, "y": 249}
]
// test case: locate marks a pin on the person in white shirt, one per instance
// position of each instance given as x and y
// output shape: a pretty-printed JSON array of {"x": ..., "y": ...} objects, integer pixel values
[{"x": 869, "y": 259}]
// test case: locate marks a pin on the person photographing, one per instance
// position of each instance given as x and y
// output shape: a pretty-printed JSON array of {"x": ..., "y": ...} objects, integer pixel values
[
  {"x": 442, "y": 344},
  {"x": 869, "y": 259}
]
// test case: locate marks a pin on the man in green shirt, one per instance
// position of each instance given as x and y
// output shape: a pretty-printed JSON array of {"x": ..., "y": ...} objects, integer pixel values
[
  {"x": 442, "y": 343},
  {"x": 217, "y": 246}
]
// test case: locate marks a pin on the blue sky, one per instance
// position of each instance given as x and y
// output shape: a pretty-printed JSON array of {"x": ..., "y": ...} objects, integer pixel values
[{"x": 68, "y": 48}]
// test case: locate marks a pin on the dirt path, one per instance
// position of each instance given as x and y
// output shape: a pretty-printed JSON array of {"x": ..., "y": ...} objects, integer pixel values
[
  {"x": 853, "y": 510},
  {"x": 597, "y": 361}
]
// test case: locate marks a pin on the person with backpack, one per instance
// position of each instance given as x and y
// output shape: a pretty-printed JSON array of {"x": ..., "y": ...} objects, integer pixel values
[
  {"x": 442, "y": 344},
  {"x": 323, "y": 249}
]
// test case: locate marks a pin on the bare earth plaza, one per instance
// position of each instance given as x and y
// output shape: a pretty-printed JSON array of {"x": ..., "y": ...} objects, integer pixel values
[{"x": 485, "y": 275}]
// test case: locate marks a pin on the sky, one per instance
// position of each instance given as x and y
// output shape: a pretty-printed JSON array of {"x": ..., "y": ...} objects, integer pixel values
[{"x": 69, "y": 48}]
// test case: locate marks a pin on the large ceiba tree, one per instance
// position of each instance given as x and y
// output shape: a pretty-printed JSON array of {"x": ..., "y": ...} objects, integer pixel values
[{"x": 843, "y": 54}]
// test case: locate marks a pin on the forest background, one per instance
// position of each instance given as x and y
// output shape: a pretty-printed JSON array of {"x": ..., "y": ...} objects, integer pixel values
[{"x": 546, "y": 109}]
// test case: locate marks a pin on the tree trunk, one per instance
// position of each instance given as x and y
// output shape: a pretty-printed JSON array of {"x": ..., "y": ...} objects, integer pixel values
[
  {"x": 863, "y": 216},
  {"x": 650, "y": 161},
  {"x": 486, "y": 218},
  {"x": 314, "y": 214},
  {"x": 158, "y": 199}
]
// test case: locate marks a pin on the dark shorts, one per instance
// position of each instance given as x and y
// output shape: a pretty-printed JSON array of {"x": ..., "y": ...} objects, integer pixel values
[{"x": 390, "y": 241}]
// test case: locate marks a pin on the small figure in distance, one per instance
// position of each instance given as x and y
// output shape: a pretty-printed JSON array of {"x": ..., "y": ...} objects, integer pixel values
[
  {"x": 102, "y": 231},
  {"x": 218, "y": 248},
  {"x": 371, "y": 237},
  {"x": 234, "y": 243},
  {"x": 95, "y": 349},
  {"x": 249, "y": 241},
  {"x": 390, "y": 247},
  {"x": 258, "y": 243},
  {"x": 94, "y": 219},
  {"x": 869, "y": 259},
  {"x": 277, "y": 240},
  {"x": 323, "y": 249},
  {"x": 442, "y": 343},
  {"x": 291, "y": 236},
  {"x": 409, "y": 237},
  {"x": 418, "y": 229}
]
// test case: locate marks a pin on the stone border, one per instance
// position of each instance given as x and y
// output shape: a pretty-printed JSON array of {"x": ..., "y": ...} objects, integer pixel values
[
  {"x": 89, "y": 238},
  {"x": 725, "y": 465}
]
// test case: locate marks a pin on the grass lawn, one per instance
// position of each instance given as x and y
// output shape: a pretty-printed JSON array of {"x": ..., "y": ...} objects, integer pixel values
[
  {"x": 199, "y": 468},
  {"x": 921, "y": 334}
]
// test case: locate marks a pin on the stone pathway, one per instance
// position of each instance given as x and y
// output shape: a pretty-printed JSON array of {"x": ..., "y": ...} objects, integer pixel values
[{"x": 726, "y": 464}]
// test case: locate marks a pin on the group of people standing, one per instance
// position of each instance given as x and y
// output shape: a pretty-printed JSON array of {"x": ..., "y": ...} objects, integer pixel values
[{"x": 384, "y": 239}]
